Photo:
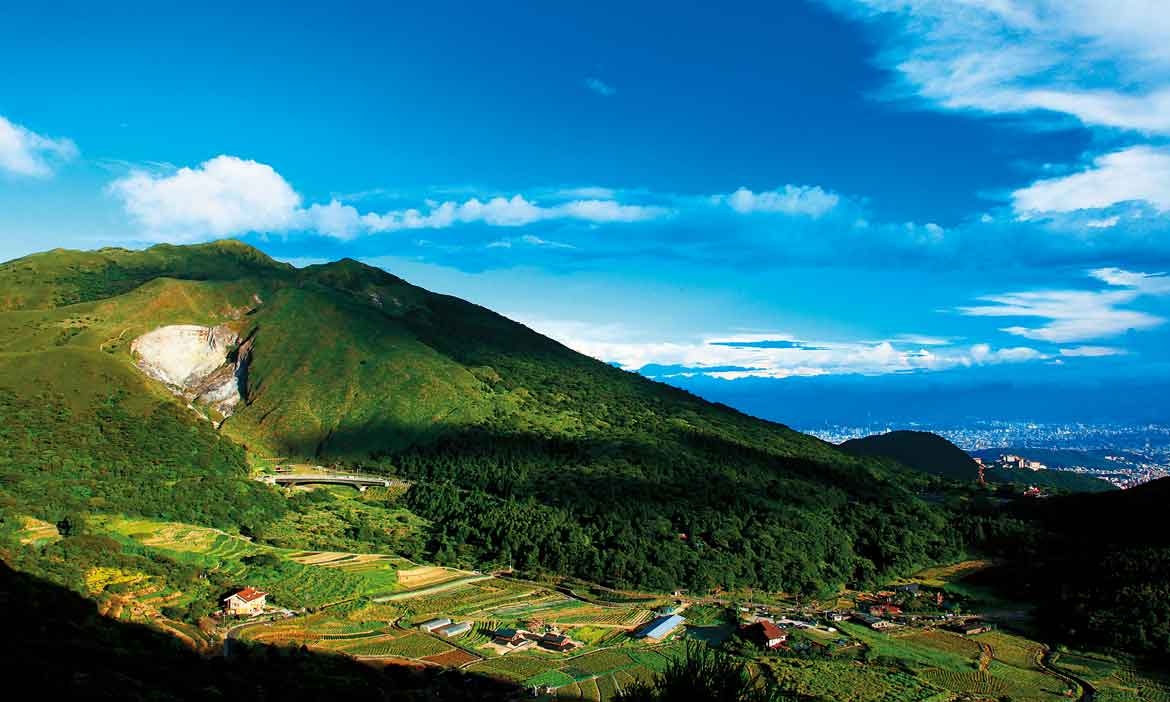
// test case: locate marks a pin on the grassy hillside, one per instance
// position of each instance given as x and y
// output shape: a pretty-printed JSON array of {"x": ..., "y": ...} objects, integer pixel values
[{"x": 524, "y": 452}]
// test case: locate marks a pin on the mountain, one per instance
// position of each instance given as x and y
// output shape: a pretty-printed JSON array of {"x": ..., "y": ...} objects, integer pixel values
[
  {"x": 150, "y": 382},
  {"x": 920, "y": 450},
  {"x": 933, "y": 454}
]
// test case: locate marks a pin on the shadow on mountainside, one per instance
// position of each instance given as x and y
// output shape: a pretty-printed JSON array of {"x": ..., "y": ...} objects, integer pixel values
[{"x": 63, "y": 649}]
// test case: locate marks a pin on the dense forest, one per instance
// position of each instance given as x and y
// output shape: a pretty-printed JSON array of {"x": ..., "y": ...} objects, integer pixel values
[{"x": 695, "y": 512}]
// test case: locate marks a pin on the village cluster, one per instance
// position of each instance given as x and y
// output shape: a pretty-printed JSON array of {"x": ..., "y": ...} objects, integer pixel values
[{"x": 878, "y": 611}]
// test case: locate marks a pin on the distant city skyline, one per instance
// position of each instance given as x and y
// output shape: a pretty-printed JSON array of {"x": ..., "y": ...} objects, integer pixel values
[{"x": 775, "y": 201}]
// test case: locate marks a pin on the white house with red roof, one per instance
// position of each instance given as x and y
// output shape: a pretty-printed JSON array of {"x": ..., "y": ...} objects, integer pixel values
[{"x": 245, "y": 603}]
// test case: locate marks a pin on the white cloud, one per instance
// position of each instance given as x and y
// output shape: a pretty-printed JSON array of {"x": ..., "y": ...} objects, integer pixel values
[
  {"x": 228, "y": 196},
  {"x": 588, "y": 192},
  {"x": 335, "y": 219},
  {"x": 1079, "y": 315},
  {"x": 220, "y": 197},
  {"x": 23, "y": 152},
  {"x": 1139, "y": 173},
  {"x": 772, "y": 355},
  {"x": 1104, "y": 62},
  {"x": 1103, "y": 223},
  {"x": 509, "y": 212},
  {"x": 1092, "y": 351},
  {"x": 791, "y": 200},
  {"x": 1144, "y": 283},
  {"x": 600, "y": 87},
  {"x": 537, "y": 241},
  {"x": 609, "y": 211}
]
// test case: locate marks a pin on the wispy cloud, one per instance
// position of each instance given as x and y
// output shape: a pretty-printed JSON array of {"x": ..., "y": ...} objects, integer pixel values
[
  {"x": 771, "y": 355},
  {"x": 600, "y": 87},
  {"x": 1079, "y": 315},
  {"x": 23, "y": 152},
  {"x": 790, "y": 199},
  {"x": 1102, "y": 62},
  {"x": 1137, "y": 174},
  {"x": 1092, "y": 351}
]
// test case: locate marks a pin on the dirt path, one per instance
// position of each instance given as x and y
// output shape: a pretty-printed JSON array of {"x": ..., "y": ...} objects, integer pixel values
[{"x": 1044, "y": 662}]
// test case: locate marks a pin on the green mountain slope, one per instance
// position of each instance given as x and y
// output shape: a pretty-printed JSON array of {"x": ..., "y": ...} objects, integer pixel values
[{"x": 523, "y": 452}]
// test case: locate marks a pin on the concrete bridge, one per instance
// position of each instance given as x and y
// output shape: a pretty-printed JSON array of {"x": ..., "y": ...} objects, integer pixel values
[{"x": 361, "y": 482}]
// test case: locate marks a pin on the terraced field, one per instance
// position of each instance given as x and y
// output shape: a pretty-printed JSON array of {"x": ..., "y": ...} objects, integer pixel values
[
  {"x": 1013, "y": 650},
  {"x": 995, "y": 664},
  {"x": 1119, "y": 680},
  {"x": 516, "y": 666},
  {"x": 469, "y": 600},
  {"x": 412, "y": 645},
  {"x": 971, "y": 682},
  {"x": 36, "y": 531},
  {"x": 846, "y": 681},
  {"x": 596, "y": 675},
  {"x": 425, "y": 576}
]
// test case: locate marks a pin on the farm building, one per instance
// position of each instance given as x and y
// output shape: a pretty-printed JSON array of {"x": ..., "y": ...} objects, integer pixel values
[
  {"x": 557, "y": 642},
  {"x": 973, "y": 627},
  {"x": 508, "y": 637},
  {"x": 432, "y": 624},
  {"x": 874, "y": 622},
  {"x": 454, "y": 629},
  {"x": 907, "y": 589},
  {"x": 246, "y": 602},
  {"x": 660, "y": 628},
  {"x": 765, "y": 633}
]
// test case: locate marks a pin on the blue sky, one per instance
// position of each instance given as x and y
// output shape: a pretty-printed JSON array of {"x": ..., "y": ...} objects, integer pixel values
[{"x": 838, "y": 188}]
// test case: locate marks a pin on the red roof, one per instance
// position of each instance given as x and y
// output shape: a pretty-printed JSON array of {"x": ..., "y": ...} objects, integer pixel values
[
  {"x": 248, "y": 594},
  {"x": 771, "y": 631}
]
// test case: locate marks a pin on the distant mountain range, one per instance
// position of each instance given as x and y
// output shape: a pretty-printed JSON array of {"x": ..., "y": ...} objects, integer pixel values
[{"x": 959, "y": 398}]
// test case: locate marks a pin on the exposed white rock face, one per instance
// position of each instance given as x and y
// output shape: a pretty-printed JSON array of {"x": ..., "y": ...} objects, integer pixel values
[{"x": 193, "y": 362}]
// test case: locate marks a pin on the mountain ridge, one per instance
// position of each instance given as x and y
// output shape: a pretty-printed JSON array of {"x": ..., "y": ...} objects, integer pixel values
[{"x": 521, "y": 450}]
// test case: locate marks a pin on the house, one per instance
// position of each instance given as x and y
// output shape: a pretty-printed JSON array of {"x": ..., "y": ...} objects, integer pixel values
[
  {"x": 907, "y": 589},
  {"x": 432, "y": 624},
  {"x": 452, "y": 630},
  {"x": 765, "y": 633},
  {"x": 884, "y": 610},
  {"x": 873, "y": 622},
  {"x": 508, "y": 637},
  {"x": 660, "y": 628},
  {"x": 557, "y": 642},
  {"x": 245, "y": 603},
  {"x": 972, "y": 627},
  {"x": 835, "y": 616}
]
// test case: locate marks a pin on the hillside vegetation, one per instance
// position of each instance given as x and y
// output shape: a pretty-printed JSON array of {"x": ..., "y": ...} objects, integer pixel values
[{"x": 524, "y": 452}]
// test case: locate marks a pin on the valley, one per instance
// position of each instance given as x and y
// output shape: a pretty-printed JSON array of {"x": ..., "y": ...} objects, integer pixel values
[{"x": 381, "y": 476}]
